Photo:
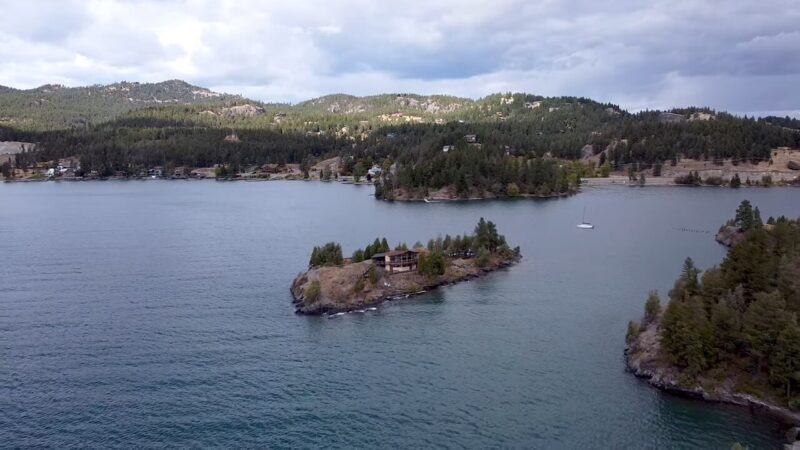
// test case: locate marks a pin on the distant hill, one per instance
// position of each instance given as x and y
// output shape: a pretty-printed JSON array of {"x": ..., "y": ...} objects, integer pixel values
[
  {"x": 53, "y": 107},
  {"x": 385, "y": 103},
  {"x": 434, "y": 142}
]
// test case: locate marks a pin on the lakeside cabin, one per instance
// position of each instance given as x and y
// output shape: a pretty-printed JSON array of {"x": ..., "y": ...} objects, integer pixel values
[{"x": 397, "y": 261}]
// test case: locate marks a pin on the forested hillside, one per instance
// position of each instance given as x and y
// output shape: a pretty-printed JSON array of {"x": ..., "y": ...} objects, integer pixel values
[
  {"x": 501, "y": 144},
  {"x": 54, "y": 107}
]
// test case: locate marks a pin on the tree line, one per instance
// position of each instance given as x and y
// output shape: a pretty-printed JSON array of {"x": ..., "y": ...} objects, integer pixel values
[{"x": 504, "y": 144}]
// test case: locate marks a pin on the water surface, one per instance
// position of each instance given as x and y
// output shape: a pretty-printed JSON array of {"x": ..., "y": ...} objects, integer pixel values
[{"x": 158, "y": 314}]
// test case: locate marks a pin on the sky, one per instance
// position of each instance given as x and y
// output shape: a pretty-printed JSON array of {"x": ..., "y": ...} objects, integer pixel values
[{"x": 741, "y": 56}]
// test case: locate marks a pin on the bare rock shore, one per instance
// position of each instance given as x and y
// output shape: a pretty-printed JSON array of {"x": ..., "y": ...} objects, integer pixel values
[{"x": 644, "y": 359}]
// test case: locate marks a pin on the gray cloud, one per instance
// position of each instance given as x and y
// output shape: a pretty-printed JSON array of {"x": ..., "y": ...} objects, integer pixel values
[{"x": 737, "y": 55}]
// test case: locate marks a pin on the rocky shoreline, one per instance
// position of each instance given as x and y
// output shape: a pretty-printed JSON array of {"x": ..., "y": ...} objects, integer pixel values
[
  {"x": 338, "y": 291},
  {"x": 643, "y": 359}
]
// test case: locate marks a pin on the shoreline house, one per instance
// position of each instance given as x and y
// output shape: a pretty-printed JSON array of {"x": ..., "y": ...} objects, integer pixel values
[
  {"x": 156, "y": 172},
  {"x": 68, "y": 164},
  {"x": 374, "y": 171},
  {"x": 397, "y": 261}
]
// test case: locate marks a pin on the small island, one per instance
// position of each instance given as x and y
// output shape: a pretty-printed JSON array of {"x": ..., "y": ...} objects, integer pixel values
[
  {"x": 333, "y": 284},
  {"x": 731, "y": 335}
]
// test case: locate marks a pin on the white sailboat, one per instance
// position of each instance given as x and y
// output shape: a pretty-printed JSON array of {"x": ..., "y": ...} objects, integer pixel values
[{"x": 584, "y": 224}]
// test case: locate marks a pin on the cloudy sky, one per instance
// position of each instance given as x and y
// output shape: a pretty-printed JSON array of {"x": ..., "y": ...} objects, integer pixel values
[{"x": 738, "y": 55}]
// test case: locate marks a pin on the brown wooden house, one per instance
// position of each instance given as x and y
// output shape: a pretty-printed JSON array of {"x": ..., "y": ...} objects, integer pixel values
[{"x": 397, "y": 260}]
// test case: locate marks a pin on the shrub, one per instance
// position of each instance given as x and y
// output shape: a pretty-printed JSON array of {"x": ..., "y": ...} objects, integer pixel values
[
  {"x": 512, "y": 190},
  {"x": 652, "y": 307},
  {"x": 633, "y": 332},
  {"x": 359, "y": 286},
  {"x": 313, "y": 291},
  {"x": 482, "y": 257},
  {"x": 373, "y": 275},
  {"x": 431, "y": 264}
]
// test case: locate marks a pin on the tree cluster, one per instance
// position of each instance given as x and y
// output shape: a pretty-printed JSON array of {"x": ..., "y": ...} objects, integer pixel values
[
  {"x": 377, "y": 246},
  {"x": 329, "y": 254}
]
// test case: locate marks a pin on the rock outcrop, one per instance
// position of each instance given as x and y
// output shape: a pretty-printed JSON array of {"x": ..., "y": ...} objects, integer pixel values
[
  {"x": 643, "y": 358},
  {"x": 246, "y": 110},
  {"x": 729, "y": 235}
]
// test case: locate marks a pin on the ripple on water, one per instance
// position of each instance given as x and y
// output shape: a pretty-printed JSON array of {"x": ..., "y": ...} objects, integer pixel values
[{"x": 158, "y": 314}]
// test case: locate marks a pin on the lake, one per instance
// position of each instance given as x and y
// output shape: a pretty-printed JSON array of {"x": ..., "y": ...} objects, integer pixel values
[{"x": 158, "y": 313}]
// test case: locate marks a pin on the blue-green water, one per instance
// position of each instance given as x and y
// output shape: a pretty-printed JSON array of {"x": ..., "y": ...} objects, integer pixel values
[{"x": 150, "y": 314}]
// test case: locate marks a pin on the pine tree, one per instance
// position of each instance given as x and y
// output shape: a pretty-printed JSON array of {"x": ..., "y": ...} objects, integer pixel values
[
  {"x": 652, "y": 307},
  {"x": 763, "y": 322},
  {"x": 785, "y": 362},
  {"x": 689, "y": 275},
  {"x": 744, "y": 216},
  {"x": 633, "y": 332},
  {"x": 726, "y": 322}
]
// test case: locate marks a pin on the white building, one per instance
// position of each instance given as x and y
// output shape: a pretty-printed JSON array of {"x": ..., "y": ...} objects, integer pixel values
[{"x": 374, "y": 171}]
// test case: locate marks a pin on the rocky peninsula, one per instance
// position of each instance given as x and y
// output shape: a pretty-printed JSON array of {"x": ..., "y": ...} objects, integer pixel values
[
  {"x": 731, "y": 335},
  {"x": 333, "y": 284}
]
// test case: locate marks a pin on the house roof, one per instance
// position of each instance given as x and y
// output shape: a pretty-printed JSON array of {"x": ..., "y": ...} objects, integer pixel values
[
  {"x": 393, "y": 253},
  {"x": 400, "y": 252}
]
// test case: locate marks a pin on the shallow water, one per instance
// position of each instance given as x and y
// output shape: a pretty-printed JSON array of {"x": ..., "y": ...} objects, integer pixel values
[{"x": 158, "y": 314}]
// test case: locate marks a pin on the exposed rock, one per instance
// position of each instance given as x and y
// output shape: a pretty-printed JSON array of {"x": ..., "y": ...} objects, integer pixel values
[
  {"x": 13, "y": 147},
  {"x": 701, "y": 116},
  {"x": 793, "y": 165},
  {"x": 729, "y": 235},
  {"x": 644, "y": 359},
  {"x": 247, "y": 110}
]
